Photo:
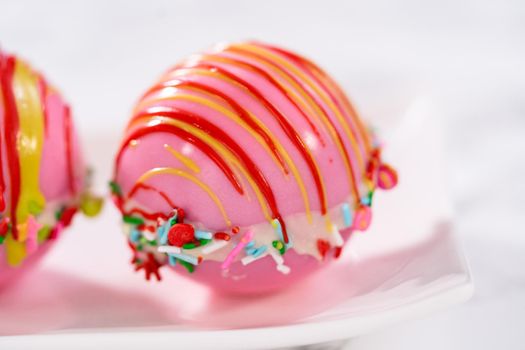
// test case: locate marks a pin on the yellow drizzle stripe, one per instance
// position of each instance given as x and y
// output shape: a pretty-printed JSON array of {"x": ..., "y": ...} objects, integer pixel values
[
  {"x": 312, "y": 107},
  {"x": 223, "y": 151},
  {"x": 319, "y": 113},
  {"x": 181, "y": 173},
  {"x": 188, "y": 162},
  {"x": 224, "y": 111},
  {"x": 282, "y": 151},
  {"x": 229, "y": 114},
  {"x": 15, "y": 250},
  {"x": 346, "y": 103},
  {"x": 30, "y": 140},
  {"x": 319, "y": 91},
  {"x": 292, "y": 93}
]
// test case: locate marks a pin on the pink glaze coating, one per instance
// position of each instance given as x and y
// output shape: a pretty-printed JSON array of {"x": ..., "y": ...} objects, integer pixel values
[
  {"x": 36, "y": 135},
  {"x": 253, "y": 136}
]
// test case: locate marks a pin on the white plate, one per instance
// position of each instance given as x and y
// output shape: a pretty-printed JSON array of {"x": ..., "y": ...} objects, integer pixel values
[{"x": 408, "y": 264}]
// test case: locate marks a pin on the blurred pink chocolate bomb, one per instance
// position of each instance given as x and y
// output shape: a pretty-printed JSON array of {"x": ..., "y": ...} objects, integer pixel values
[
  {"x": 248, "y": 167},
  {"x": 42, "y": 174}
]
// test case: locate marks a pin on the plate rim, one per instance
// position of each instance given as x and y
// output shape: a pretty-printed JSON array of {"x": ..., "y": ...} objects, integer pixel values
[{"x": 296, "y": 334}]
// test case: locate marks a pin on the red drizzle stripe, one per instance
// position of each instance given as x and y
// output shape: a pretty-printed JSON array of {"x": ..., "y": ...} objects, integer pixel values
[
  {"x": 10, "y": 134},
  {"x": 205, "y": 148},
  {"x": 2, "y": 180},
  {"x": 146, "y": 215},
  {"x": 241, "y": 112},
  {"x": 321, "y": 106},
  {"x": 283, "y": 122},
  {"x": 69, "y": 150},
  {"x": 143, "y": 186},
  {"x": 227, "y": 141},
  {"x": 308, "y": 66}
]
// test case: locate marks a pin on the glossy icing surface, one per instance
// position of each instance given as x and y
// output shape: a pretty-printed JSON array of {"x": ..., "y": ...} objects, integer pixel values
[
  {"x": 253, "y": 142},
  {"x": 42, "y": 173}
]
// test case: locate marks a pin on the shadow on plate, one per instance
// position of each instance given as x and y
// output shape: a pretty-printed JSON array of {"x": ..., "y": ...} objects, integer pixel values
[{"x": 47, "y": 301}]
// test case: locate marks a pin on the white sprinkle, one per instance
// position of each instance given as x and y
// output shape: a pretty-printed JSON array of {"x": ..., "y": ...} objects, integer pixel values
[
  {"x": 214, "y": 246},
  {"x": 280, "y": 262},
  {"x": 150, "y": 236},
  {"x": 169, "y": 249},
  {"x": 283, "y": 269},
  {"x": 250, "y": 258},
  {"x": 277, "y": 257},
  {"x": 336, "y": 237}
]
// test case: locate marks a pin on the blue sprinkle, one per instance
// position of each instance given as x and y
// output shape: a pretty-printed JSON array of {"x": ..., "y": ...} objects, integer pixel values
[
  {"x": 188, "y": 258},
  {"x": 347, "y": 215},
  {"x": 259, "y": 251},
  {"x": 135, "y": 235},
  {"x": 279, "y": 230},
  {"x": 162, "y": 233},
  {"x": 250, "y": 244},
  {"x": 250, "y": 251},
  {"x": 203, "y": 234},
  {"x": 172, "y": 260}
]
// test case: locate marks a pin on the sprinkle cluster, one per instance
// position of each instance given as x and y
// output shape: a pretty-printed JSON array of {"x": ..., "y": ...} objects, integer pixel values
[
  {"x": 158, "y": 239},
  {"x": 33, "y": 233}
]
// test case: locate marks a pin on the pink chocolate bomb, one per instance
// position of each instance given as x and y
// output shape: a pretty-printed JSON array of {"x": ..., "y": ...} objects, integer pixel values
[
  {"x": 247, "y": 167},
  {"x": 42, "y": 174}
]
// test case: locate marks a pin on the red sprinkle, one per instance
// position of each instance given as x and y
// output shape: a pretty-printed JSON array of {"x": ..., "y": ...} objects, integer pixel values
[
  {"x": 4, "y": 226},
  {"x": 235, "y": 230},
  {"x": 338, "y": 251},
  {"x": 199, "y": 259},
  {"x": 181, "y": 234},
  {"x": 150, "y": 266},
  {"x": 180, "y": 215},
  {"x": 323, "y": 246},
  {"x": 67, "y": 216},
  {"x": 222, "y": 235}
]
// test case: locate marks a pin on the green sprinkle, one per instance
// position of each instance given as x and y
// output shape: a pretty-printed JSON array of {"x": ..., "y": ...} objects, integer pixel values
[
  {"x": 35, "y": 208},
  {"x": 133, "y": 220},
  {"x": 138, "y": 261},
  {"x": 139, "y": 247},
  {"x": 189, "y": 246},
  {"x": 115, "y": 188},
  {"x": 153, "y": 243},
  {"x": 279, "y": 246},
  {"x": 370, "y": 196},
  {"x": 187, "y": 265},
  {"x": 2, "y": 239},
  {"x": 204, "y": 241},
  {"x": 58, "y": 214},
  {"x": 44, "y": 233}
]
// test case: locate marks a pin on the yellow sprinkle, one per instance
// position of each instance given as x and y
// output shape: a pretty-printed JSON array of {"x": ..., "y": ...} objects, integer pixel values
[{"x": 91, "y": 205}]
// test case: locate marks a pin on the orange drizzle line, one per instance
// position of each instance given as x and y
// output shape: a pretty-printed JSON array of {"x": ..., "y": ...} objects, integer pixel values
[
  {"x": 320, "y": 111},
  {"x": 322, "y": 94},
  {"x": 244, "y": 118},
  {"x": 280, "y": 118},
  {"x": 181, "y": 173}
]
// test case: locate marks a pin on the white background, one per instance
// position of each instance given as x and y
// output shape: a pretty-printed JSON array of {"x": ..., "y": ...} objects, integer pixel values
[{"x": 469, "y": 56}]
